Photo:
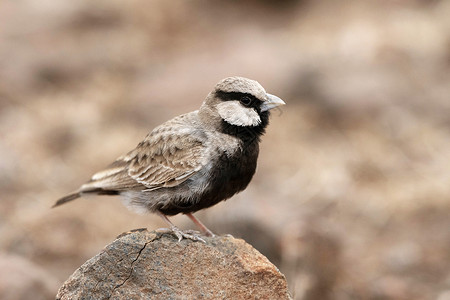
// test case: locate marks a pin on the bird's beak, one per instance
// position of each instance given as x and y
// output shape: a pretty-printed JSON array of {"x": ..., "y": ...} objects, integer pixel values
[{"x": 271, "y": 102}]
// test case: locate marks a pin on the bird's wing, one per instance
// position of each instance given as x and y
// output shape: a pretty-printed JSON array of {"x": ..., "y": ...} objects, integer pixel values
[
  {"x": 168, "y": 159},
  {"x": 169, "y": 155}
]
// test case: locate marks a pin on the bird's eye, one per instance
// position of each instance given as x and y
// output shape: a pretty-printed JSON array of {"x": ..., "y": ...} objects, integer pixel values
[{"x": 246, "y": 101}]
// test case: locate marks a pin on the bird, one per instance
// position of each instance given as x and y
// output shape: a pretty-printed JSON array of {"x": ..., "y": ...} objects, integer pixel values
[{"x": 192, "y": 161}]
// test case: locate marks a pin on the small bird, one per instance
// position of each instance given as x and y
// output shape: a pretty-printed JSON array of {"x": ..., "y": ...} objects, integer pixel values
[{"x": 192, "y": 161}]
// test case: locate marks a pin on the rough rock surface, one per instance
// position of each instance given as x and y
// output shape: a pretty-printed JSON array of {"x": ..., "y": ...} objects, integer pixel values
[{"x": 150, "y": 265}]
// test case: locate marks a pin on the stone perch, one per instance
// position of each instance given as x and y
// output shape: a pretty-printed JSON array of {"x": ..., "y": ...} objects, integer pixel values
[{"x": 150, "y": 265}]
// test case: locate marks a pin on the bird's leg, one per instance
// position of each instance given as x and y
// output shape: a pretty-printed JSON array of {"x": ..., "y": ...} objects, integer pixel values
[
  {"x": 202, "y": 227},
  {"x": 177, "y": 231}
]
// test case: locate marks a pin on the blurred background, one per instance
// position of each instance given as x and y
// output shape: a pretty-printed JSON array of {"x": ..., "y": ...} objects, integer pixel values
[{"x": 351, "y": 199}]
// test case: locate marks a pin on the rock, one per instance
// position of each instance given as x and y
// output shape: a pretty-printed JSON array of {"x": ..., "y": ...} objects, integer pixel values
[{"x": 150, "y": 265}]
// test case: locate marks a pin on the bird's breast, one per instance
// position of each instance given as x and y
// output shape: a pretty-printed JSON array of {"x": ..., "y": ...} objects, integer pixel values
[
  {"x": 225, "y": 174},
  {"x": 233, "y": 171}
]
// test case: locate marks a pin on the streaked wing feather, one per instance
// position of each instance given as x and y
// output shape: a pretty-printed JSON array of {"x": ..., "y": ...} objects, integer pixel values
[
  {"x": 114, "y": 177},
  {"x": 167, "y": 160},
  {"x": 169, "y": 155}
]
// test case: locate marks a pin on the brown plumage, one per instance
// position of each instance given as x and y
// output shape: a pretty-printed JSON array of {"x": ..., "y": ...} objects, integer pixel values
[{"x": 193, "y": 161}]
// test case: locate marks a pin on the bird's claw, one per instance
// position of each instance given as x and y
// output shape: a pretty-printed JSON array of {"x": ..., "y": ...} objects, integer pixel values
[{"x": 180, "y": 234}]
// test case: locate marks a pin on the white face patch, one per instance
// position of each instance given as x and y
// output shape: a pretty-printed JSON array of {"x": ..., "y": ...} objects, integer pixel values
[{"x": 235, "y": 113}]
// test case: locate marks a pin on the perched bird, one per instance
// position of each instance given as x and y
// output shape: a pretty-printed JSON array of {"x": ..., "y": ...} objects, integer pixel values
[{"x": 194, "y": 160}]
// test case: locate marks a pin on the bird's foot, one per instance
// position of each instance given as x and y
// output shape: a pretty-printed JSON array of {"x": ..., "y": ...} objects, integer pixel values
[{"x": 180, "y": 234}]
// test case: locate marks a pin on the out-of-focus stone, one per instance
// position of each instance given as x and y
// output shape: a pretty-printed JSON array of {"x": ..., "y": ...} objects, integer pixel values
[
  {"x": 149, "y": 265},
  {"x": 22, "y": 279}
]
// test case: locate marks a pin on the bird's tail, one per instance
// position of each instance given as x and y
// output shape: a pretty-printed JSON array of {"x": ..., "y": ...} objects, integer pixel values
[{"x": 67, "y": 198}]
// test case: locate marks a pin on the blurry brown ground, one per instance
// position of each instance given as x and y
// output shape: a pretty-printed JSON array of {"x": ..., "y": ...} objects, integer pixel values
[{"x": 352, "y": 194}]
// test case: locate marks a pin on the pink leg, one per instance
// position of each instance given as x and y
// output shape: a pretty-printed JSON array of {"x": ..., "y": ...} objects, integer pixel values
[
  {"x": 202, "y": 227},
  {"x": 165, "y": 218},
  {"x": 178, "y": 232}
]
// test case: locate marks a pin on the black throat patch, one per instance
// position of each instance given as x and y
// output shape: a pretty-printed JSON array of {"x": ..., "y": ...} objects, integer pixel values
[{"x": 247, "y": 134}]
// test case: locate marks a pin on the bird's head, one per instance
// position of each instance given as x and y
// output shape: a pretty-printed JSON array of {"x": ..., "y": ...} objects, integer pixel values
[{"x": 241, "y": 102}]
